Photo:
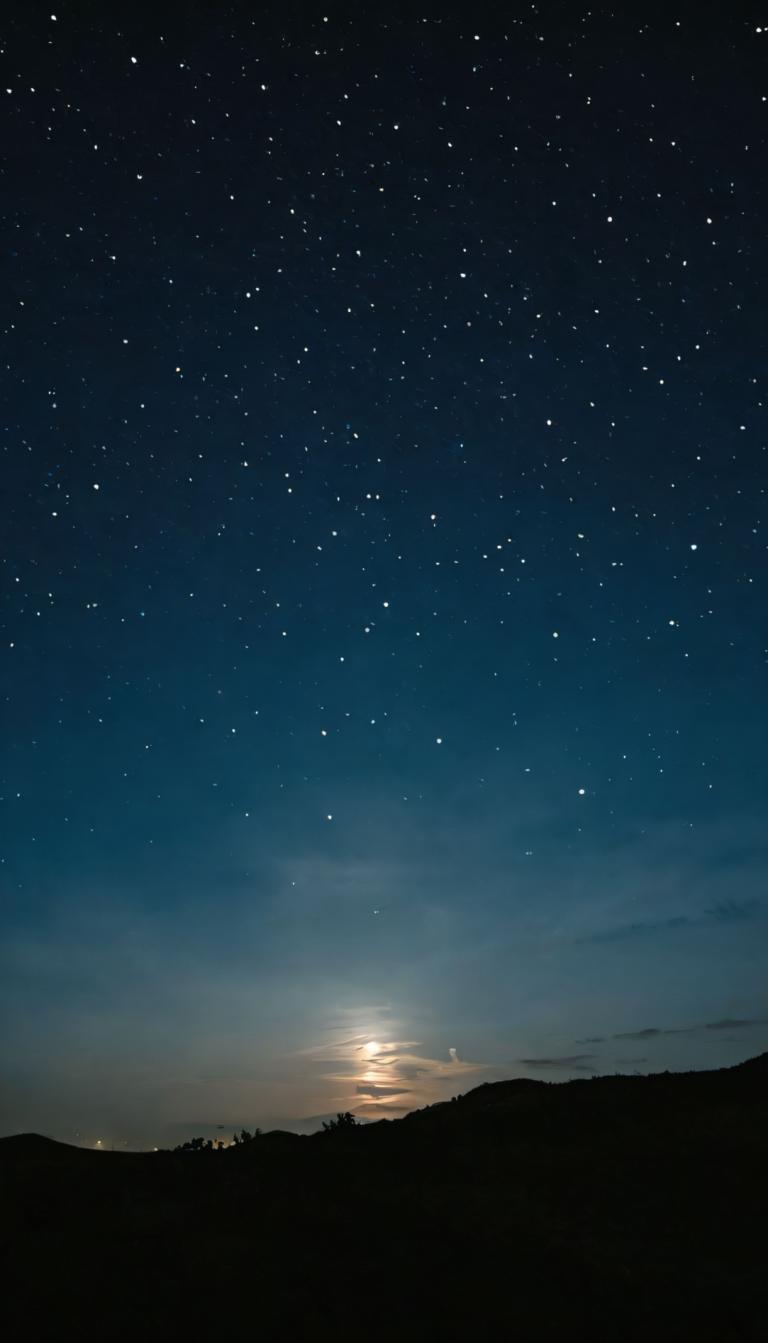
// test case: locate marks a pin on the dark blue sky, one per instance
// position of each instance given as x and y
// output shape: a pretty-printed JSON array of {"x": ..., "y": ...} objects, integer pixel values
[{"x": 385, "y": 626}]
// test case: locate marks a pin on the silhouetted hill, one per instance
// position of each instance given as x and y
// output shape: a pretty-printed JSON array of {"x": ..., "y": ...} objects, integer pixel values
[
  {"x": 614, "y": 1208},
  {"x": 33, "y": 1146},
  {"x": 757, "y": 1065},
  {"x": 491, "y": 1095}
]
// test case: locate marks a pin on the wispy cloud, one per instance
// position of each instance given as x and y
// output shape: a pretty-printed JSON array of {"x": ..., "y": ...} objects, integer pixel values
[
  {"x": 646, "y": 1034},
  {"x": 381, "y": 1093},
  {"x": 732, "y": 911},
  {"x": 383, "y": 1070},
  {"x": 666, "y": 880},
  {"x": 729, "y": 1023},
  {"x": 624, "y": 931},
  {"x": 725, "y": 911},
  {"x": 654, "y": 1032},
  {"x": 568, "y": 1061}
]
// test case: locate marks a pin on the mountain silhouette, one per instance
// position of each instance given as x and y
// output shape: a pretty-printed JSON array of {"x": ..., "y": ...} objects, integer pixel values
[
  {"x": 621, "y": 1208},
  {"x": 32, "y": 1146}
]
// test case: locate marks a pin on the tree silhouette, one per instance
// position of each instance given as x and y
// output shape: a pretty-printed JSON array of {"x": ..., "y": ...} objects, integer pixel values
[
  {"x": 342, "y": 1121},
  {"x": 245, "y": 1136},
  {"x": 199, "y": 1145}
]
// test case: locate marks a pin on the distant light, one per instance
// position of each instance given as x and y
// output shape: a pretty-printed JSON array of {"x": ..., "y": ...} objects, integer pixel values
[{"x": 582, "y": 791}]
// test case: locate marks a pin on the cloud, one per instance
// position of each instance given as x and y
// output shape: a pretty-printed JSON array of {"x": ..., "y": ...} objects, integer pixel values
[
  {"x": 724, "y": 911},
  {"x": 349, "y": 1048},
  {"x": 731, "y": 911},
  {"x": 577, "y": 1061},
  {"x": 376, "y": 1091},
  {"x": 368, "y": 1065},
  {"x": 641, "y": 1035},
  {"x": 662, "y": 881},
  {"x": 729, "y": 1023},
  {"x": 643, "y": 929},
  {"x": 653, "y": 1032}
]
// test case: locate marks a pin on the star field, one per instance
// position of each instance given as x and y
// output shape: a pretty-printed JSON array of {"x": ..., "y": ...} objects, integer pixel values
[{"x": 383, "y": 421}]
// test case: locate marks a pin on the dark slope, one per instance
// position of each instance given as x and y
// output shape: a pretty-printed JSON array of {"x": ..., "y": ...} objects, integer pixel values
[
  {"x": 615, "y": 1208},
  {"x": 34, "y": 1147}
]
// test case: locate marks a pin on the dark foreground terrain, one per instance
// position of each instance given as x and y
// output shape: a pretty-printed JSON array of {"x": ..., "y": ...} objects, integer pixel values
[{"x": 616, "y": 1208}]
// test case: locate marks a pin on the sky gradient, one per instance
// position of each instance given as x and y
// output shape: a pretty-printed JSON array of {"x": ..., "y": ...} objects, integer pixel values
[{"x": 383, "y": 555}]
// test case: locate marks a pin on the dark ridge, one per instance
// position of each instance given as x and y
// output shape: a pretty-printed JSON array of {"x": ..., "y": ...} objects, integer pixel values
[
  {"x": 36, "y": 1147},
  {"x": 758, "y": 1064},
  {"x": 620, "y": 1207},
  {"x": 24, "y": 1146}
]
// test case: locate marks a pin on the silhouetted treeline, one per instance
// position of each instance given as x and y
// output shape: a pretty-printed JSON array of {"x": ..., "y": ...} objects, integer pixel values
[
  {"x": 340, "y": 1123},
  {"x": 218, "y": 1144}
]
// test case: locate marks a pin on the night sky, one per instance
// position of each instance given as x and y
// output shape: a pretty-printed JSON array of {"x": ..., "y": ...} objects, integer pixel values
[{"x": 384, "y": 616}]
